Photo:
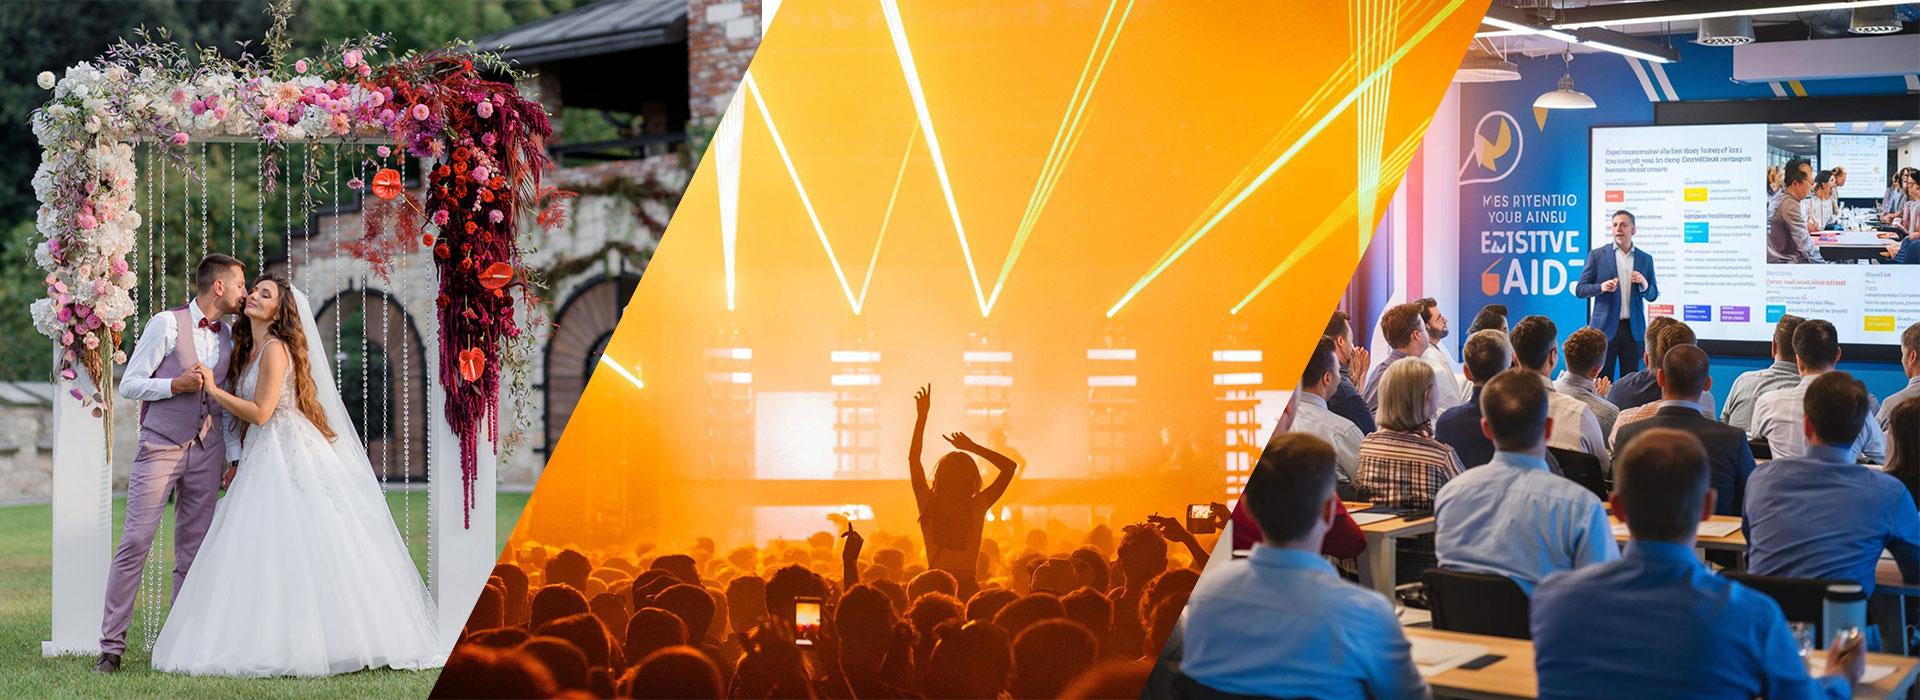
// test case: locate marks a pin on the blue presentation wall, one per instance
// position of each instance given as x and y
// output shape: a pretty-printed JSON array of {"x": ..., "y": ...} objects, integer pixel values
[{"x": 1524, "y": 216}]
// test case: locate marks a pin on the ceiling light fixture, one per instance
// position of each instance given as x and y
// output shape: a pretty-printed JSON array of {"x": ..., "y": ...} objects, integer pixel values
[
  {"x": 1685, "y": 10},
  {"x": 1564, "y": 96},
  {"x": 1482, "y": 65},
  {"x": 1725, "y": 31},
  {"x": 1874, "y": 20},
  {"x": 1510, "y": 21}
]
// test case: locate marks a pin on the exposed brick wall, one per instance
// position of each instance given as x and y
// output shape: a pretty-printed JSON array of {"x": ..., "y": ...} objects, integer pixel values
[{"x": 721, "y": 38}]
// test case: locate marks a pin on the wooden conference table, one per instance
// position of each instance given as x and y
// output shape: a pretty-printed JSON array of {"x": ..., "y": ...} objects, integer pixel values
[
  {"x": 1513, "y": 677},
  {"x": 1377, "y": 563}
]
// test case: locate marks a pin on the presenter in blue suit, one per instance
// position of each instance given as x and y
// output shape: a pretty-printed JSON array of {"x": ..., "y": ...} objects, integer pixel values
[{"x": 1619, "y": 280}]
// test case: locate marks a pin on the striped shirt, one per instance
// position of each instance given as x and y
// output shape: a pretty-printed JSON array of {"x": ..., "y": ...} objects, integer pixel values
[{"x": 1405, "y": 470}]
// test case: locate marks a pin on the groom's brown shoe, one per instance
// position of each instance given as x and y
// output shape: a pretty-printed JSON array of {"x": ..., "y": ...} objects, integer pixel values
[{"x": 108, "y": 663}]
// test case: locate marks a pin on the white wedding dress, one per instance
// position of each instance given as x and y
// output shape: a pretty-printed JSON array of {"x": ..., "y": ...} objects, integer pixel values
[{"x": 302, "y": 572}]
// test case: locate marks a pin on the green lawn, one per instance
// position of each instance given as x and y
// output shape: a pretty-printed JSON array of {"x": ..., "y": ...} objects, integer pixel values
[{"x": 26, "y": 550}]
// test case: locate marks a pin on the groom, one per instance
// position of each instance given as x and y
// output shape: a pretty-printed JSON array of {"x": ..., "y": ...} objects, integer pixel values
[{"x": 185, "y": 438}]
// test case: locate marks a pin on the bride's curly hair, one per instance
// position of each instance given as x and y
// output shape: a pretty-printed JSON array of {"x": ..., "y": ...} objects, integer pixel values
[{"x": 286, "y": 327}]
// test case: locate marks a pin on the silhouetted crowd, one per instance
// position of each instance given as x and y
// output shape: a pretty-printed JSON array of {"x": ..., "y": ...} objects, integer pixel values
[{"x": 1065, "y": 614}]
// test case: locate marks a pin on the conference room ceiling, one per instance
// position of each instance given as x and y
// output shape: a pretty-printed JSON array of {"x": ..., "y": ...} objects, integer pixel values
[{"x": 1782, "y": 26}]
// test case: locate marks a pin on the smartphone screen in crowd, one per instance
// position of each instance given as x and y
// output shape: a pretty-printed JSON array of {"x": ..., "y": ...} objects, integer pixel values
[
  {"x": 806, "y": 620},
  {"x": 1200, "y": 519}
]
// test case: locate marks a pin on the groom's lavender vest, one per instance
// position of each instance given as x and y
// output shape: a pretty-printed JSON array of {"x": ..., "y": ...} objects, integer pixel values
[{"x": 183, "y": 418}]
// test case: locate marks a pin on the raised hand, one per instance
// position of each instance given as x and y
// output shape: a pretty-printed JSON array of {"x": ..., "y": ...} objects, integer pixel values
[
  {"x": 1602, "y": 385},
  {"x": 1170, "y": 527},
  {"x": 962, "y": 442},
  {"x": 1358, "y": 367},
  {"x": 851, "y": 552},
  {"x": 923, "y": 399},
  {"x": 1219, "y": 513}
]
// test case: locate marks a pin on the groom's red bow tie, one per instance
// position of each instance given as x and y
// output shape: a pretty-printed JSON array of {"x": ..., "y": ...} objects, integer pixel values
[{"x": 210, "y": 324}]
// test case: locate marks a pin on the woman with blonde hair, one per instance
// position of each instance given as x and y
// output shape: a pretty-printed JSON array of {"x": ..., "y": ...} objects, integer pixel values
[{"x": 1401, "y": 465}]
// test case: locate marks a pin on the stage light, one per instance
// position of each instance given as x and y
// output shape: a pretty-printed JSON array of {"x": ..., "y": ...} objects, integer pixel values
[
  {"x": 904, "y": 53},
  {"x": 730, "y": 377},
  {"x": 989, "y": 380},
  {"x": 1111, "y": 354},
  {"x": 856, "y": 380},
  {"x": 806, "y": 203},
  {"x": 1237, "y": 355},
  {"x": 742, "y": 354},
  {"x": 632, "y": 377},
  {"x": 987, "y": 356},
  {"x": 1112, "y": 380},
  {"x": 1187, "y": 242},
  {"x": 1065, "y": 140},
  {"x": 1237, "y": 379},
  {"x": 1111, "y": 398},
  {"x": 854, "y": 356}
]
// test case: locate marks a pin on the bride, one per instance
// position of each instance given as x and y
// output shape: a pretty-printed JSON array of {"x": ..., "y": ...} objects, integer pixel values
[{"x": 302, "y": 572}]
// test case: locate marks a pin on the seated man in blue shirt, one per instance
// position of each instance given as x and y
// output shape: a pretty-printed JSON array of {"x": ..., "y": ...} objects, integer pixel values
[
  {"x": 1513, "y": 516},
  {"x": 1486, "y": 354},
  {"x": 1821, "y": 515},
  {"x": 1281, "y": 622},
  {"x": 1658, "y": 622}
]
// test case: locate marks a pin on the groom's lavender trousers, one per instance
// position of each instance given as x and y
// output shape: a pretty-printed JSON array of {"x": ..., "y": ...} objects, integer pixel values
[{"x": 191, "y": 473}]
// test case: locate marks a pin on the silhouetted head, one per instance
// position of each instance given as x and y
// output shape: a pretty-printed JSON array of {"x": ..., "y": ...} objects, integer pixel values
[
  {"x": 864, "y": 620},
  {"x": 970, "y": 660},
  {"x": 988, "y": 603},
  {"x": 746, "y": 602},
  {"x": 499, "y": 637},
  {"x": 1091, "y": 608},
  {"x": 1050, "y": 654},
  {"x": 788, "y": 583},
  {"x": 475, "y": 671},
  {"x": 680, "y": 566},
  {"x": 566, "y": 662},
  {"x": 692, "y": 606},
  {"x": 585, "y": 632},
  {"x": 1019, "y": 614},
  {"x": 956, "y": 475},
  {"x": 569, "y": 567},
  {"x": 554, "y": 602},
  {"x": 651, "y": 630},
  {"x": 674, "y": 672},
  {"x": 935, "y": 581}
]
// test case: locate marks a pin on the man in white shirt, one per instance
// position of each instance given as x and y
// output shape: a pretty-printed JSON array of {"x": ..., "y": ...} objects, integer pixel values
[
  {"x": 1574, "y": 426},
  {"x": 1406, "y": 334},
  {"x": 1437, "y": 332},
  {"x": 1311, "y": 415},
  {"x": 1751, "y": 385},
  {"x": 1585, "y": 351},
  {"x": 1780, "y": 415}
]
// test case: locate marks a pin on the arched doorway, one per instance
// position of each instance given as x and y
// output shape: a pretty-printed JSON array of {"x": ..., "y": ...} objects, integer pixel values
[
  {"x": 384, "y": 388},
  {"x": 582, "y": 328}
]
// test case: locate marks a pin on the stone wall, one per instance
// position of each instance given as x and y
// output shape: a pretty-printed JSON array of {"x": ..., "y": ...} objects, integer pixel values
[{"x": 721, "y": 38}]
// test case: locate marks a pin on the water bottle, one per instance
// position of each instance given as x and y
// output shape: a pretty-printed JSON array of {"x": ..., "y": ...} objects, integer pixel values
[{"x": 1844, "y": 609}]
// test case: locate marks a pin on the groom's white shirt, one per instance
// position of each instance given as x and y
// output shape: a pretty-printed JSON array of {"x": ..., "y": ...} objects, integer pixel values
[{"x": 158, "y": 339}]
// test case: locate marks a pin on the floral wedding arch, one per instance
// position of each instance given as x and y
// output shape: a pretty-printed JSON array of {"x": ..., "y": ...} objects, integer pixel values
[{"x": 480, "y": 146}]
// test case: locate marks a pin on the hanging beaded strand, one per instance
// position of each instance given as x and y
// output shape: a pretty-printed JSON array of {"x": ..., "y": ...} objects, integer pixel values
[
  {"x": 405, "y": 261},
  {"x": 233, "y": 201},
  {"x": 286, "y": 192},
  {"x": 260, "y": 204},
  {"x": 339, "y": 203},
  {"x": 186, "y": 226},
  {"x": 206, "y": 197}
]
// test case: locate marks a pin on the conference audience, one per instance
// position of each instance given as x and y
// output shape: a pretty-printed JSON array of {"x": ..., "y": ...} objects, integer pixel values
[
  {"x": 1311, "y": 415},
  {"x": 1748, "y": 387},
  {"x": 1512, "y": 516},
  {"x": 1658, "y": 622},
  {"x": 1896, "y": 198},
  {"x": 1818, "y": 514},
  {"x": 1486, "y": 354},
  {"x": 1407, "y": 335},
  {"x": 1789, "y": 239},
  {"x": 1910, "y": 364},
  {"x": 1642, "y": 387},
  {"x": 1573, "y": 426},
  {"x": 1346, "y": 400},
  {"x": 1779, "y": 414},
  {"x": 1683, "y": 379},
  {"x": 1281, "y": 622},
  {"x": 1584, "y": 351},
  {"x": 1673, "y": 335},
  {"x": 1401, "y": 465}
]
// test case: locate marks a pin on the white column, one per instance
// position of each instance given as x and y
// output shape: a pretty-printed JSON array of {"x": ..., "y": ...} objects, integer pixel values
[
  {"x": 82, "y": 524},
  {"x": 462, "y": 554}
]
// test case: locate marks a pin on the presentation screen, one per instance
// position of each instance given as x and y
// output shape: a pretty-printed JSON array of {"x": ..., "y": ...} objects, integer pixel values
[
  {"x": 1865, "y": 158},
  {"x": 1699, "y": 195}
]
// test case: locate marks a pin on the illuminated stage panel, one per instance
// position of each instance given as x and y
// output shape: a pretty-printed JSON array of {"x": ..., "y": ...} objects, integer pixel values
[
  {"x": 793, "y": 435},
  {"x": 797, "y": 522}
]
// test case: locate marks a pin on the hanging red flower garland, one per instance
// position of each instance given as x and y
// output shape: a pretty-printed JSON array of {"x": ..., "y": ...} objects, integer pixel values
[{"x": 487, "y": 147}]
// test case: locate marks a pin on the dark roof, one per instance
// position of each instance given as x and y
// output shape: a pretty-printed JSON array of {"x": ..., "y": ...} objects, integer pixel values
[{"x": 604, "y": 27}]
